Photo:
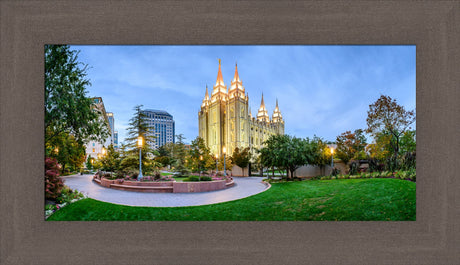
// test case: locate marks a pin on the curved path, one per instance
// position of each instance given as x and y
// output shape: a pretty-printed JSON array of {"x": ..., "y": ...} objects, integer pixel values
[{"x": 244, "y": 187}]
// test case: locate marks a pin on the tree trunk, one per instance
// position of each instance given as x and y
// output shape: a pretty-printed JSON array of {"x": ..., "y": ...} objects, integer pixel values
[{"x": 273, "y": 172}]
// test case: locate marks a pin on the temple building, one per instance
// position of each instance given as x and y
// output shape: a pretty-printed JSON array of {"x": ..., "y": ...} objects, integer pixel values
[{"x": 225, "y": 119}]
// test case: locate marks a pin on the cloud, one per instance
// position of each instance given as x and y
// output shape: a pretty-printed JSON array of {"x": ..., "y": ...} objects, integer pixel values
[{"x": 322, "y": 90}]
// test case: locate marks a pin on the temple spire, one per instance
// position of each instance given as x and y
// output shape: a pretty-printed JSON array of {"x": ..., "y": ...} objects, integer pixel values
[
  {"x": 236, "y": 87},
  {"x": 220, "y": 87},
  {"x": 277, "y": 117},
  {"x": 206, "y": 98},
  {"x": 262, "y": 114},
  {"x": 220, "y": 79}
]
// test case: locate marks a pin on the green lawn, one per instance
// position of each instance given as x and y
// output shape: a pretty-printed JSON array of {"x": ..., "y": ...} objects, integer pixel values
[{"x": 347, "y": 199}]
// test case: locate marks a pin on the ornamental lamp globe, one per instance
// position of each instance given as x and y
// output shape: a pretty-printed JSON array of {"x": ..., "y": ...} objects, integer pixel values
[{"x": 139, "y": 141}]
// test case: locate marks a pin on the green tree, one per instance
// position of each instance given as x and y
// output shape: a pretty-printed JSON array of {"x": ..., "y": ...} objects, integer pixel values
[
  {"x": 380, "y": 149},
  {"x": 320, "y": 153},
  {"x": 350, "y": 145},
  {"x": 386, "y": 116},
  {"x": 67, "y": 150},
  {"x": 287, "y": 152},
  {"x": 139, "y": 126},
  {"x": 68, "y": 110},
  {"x": 180, "y": 155},
  {"x": 89, "y": 163},
  {"x": 242, "y": 157},
  {"x": 111, "y": 161},
  {"x": 199, "y": 153},
  {"x": 271, "y": 154},
  {"x": 228, "y": 163},
  {"x": 407, "y": 143}
]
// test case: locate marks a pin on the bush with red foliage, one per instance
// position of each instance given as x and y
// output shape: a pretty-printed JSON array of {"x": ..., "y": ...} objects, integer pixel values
[{"x": 53, "y": 183}]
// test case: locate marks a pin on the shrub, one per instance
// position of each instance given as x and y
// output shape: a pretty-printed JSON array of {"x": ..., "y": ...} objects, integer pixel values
[
  {"x": 134, "y": 175},
  {"x": 68, "y": 195},
  {"x": 53, "y": 183},
  {"x": 412, "y": 175},
  {"x": 375, "y": 165},
  {"x": 376, "y": 174},
  {"x": 354, "y": 167},
  {"x": 191, "y": 178},
  {"x": 408, "y": 161},
  {"x": 392, "y": 164},
  {"x": 400, "y": 175},
  {"x": 196, "y": 178},
  {"x": 164, "y": 178},
  {"x": 386, "y": 174},
  {"x": 335, "y": 171}
]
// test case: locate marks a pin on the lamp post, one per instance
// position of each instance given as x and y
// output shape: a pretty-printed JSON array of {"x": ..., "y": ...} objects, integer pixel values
[
  {"x": 201, "y": 161},
  {"x": 103, "y": 151},
  {"x": 332, "y": 158},
  {"x": 225, "y": 174},
  {"x": 139, "y": 144},
  {"x": 217, "y": 160}
]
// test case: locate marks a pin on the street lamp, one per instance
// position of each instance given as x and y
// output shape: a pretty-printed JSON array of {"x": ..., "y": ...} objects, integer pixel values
[
  {"x": 225, "y": 174},
  {"x": 217, "y": 160},
  {"x": 139, "y": 144},
  {"x": 201, "y": 161},
  {"x": 332, "y": 158}
]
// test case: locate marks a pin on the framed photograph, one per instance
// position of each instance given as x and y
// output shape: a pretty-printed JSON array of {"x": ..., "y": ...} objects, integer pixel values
[{"x": 426, "y": 27}]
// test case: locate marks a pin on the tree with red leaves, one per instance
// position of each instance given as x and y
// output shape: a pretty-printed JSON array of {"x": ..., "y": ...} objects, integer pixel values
[
  {"x": 349, "y": 145},
  {"x": 53, "y": 183}
]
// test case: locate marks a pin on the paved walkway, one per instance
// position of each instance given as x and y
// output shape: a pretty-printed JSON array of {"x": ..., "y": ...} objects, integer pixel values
[{"x": 244, "y": 187}]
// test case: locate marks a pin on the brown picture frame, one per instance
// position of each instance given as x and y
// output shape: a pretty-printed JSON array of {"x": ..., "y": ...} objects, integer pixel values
[{"x": 26, "y": 26}]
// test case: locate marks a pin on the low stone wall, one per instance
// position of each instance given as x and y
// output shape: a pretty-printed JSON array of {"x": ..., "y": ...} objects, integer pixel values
[
  {"x": 165, "y": 186},
  {"x": 179, "y": 187},
  {"x": 239, "y": 172},
  {"x": 312, "y": 171}
]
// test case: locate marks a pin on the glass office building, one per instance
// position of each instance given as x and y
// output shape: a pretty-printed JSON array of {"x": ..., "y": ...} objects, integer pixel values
[{"x": 163, "y": 124}]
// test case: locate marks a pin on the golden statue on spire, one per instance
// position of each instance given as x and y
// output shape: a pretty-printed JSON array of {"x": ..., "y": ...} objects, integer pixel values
[{"x": 219, "y": 60}]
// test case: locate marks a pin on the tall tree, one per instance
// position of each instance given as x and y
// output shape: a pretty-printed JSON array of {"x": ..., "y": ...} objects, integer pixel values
[
  {"x": 67, "y": 108},
  {"x": 349, "y": 145},
  {"x": 272, "y": 153},
  {"x": 199, "y": 153},
  {"x": 139, "y": 126},
  {"x": 321, "y": 153},
  {"x": 388, "y": 117},
  {"x": 180, "y": 155},
  {"x": 241, "y": 157}
]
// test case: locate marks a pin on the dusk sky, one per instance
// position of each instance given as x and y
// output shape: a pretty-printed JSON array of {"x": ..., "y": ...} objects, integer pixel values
[{"x": 321, "y": 90}]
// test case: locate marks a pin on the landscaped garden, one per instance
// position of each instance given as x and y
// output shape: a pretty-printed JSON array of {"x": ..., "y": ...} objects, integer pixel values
[
  {"x": 378, "y": 199},
  {"x": 383, "y": 190}
]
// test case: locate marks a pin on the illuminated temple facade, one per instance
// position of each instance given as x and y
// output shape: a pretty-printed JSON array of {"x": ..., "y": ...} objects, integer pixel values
[{"x": 225, "y": 119}]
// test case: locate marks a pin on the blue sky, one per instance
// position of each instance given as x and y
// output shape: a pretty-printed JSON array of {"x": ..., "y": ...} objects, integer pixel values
[{"x": 321, "y": 90}]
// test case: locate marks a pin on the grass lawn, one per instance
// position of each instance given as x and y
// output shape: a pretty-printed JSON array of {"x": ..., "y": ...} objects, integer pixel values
[{"x": 343, "y": 200}]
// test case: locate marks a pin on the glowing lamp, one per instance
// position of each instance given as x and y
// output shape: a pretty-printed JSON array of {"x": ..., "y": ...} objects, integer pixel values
[{"x": 139, "y": 141}]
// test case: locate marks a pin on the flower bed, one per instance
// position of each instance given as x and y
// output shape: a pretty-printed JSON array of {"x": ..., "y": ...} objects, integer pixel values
[{"x": 169, "y": 186}]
